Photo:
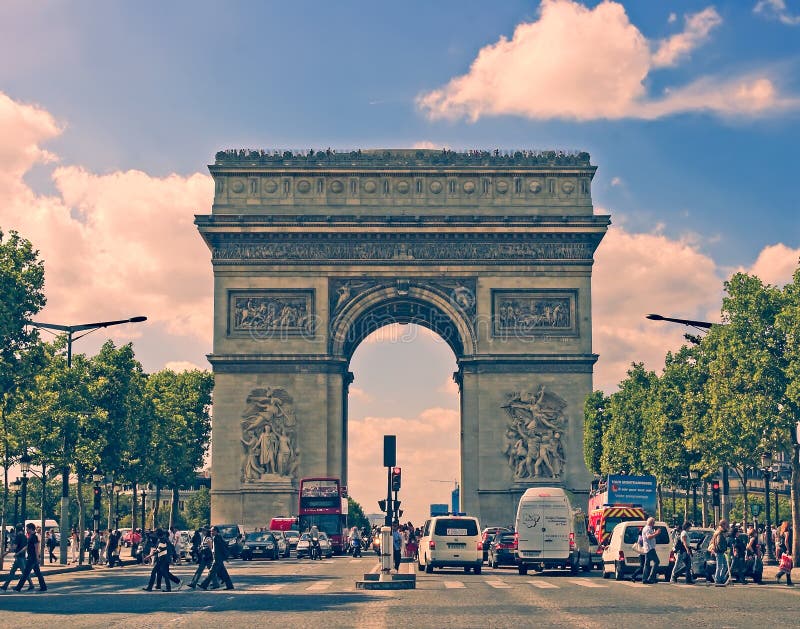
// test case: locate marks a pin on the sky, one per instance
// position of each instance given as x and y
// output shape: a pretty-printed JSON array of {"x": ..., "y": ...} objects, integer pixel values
[{"x": 110, "y": 112}]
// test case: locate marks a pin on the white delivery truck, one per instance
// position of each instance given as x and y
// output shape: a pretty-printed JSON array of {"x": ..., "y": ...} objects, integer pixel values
[{"x": 550, "y": 533}]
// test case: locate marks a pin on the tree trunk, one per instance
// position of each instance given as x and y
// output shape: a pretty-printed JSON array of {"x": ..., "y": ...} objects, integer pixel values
[
  {"x": 156, "y": 505},
  {"x": 3, "y": 513},
  {"x": 659, "y": 502},
  {"x": 133, "y": 506},
  {"x": 685, "y": 505},
  {"x": 173, "y": 512},
  {"x": 81, "y": 515},
  {"x": 111, "y": 503},
  {"x": 44, "y": 513}
]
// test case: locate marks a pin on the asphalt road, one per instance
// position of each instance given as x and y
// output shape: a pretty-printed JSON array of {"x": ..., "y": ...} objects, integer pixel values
[{"x": 293, "y": 594}]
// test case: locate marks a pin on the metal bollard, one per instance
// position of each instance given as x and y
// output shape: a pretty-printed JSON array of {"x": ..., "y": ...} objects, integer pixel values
[{"x": 386, "y": 553}]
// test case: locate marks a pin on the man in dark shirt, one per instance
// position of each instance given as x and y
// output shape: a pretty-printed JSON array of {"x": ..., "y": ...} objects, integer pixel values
[
  {"x": 19, "y": 558},
  {"x": 31, "y": 560},
  {"x": 219, "y": 548},
  {"x": 112, "y": 554}
]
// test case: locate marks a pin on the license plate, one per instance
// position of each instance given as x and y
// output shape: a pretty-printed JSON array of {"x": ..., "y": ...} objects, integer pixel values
[
  {"x": 456, "y": 545},
  {"x": 531, "y": 553},
  {"x": 633, "y": 560}
]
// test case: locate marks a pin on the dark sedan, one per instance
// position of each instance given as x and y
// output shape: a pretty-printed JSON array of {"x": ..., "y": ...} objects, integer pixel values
[
  {"x": 502, "y": 549},
  {"x": 260, "y": 545},
  {"x": 487, "y": 535}
]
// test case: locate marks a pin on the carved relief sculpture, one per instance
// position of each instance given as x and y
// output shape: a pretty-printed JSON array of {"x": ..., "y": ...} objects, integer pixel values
[
  {"x": 269, "y": 436},
  {"x": 533, "y": 434},
  {"x": 531, "y": 313},
  {"x": 266, "y": 312}
]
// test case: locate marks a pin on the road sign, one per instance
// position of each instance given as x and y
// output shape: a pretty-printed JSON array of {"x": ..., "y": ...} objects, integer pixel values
[{"x": 755, "y": 509}]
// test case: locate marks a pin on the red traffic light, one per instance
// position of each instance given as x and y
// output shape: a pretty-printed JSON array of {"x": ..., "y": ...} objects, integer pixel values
[
  {"x": 396, "y": 471},
  {"x": 715, "y": 485}
]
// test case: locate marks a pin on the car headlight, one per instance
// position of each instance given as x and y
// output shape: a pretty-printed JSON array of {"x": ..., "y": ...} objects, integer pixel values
[{"x": 270, "y": 546}]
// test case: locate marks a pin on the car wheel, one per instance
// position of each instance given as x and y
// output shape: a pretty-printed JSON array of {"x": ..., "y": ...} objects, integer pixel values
[
  {"x": 619, "y": 571},
  {"x": 477, "y": 569},
  {"x": 420, "y": 567},
  {"x": 606, "y": 575},
  {"x": 523, "y": 570},
  {"x": 428, "y": 568}
]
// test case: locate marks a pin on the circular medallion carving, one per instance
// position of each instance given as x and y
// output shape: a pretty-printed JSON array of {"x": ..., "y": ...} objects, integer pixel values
[
  {"x": 303, "y": 186},
  {"x": 469, "y": 187},
  {"x": 402, "y": 187},
  {"x": 535, "y": 187},
  {"x": 370, "y": 186},
  {"x": 568, "y": 187},
  {"x": 270, "y": 186},
  {"x": 237, "y": 186},
  {"x": 501, "y": 187},
  {"x": 337, "y": 186},
  {"x": 436, "y": 187}
]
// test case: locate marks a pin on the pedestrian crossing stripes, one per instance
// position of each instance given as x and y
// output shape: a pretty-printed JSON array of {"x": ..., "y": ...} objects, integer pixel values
[
  {"x": 587, "y": 583},
  {"x": 496, "y": 583},
  {"x": 319, "y": 586},
  {"x": 454, "y": 585},
  {"x": 633, "y": 584},
  {"x": 544, "y": 585}
]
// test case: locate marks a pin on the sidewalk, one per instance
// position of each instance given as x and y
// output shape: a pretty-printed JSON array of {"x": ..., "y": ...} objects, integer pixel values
[{"x": 48, "y": 568}]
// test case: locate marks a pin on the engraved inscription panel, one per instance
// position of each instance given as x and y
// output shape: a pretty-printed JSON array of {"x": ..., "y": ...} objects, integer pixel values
[
  {"x": 267, "y": 312},
  {"x": 536, "y": 312}
]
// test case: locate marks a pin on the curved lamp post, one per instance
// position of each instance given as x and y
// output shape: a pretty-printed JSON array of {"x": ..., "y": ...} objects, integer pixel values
[
  {"x": 25, "y": 466},
  {"x": 70, "y": 330},
  {"x": 97, "y": 477},
  {"x": 16, "y": 485},
  {"x": 766, "y": 469}
]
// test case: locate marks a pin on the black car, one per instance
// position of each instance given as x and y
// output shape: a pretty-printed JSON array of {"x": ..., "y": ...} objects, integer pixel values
[
  {"x": 487, "y": 535},
  {"x": 704, "y": 564},
  {"x": 502, "y": 549},
  {"x": 263, "y": 545},
  {"x": 234, "y": 536}
]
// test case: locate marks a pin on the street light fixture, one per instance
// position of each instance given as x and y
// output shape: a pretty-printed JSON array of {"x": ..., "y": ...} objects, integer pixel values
[
  {"x": 16, "y": 485},
  {"x": 70, "y": 330},
  {"x": 25, "y": 466},
  {"x": 766, "y": 469},
  {"x": 693, "y": 478},
  {"x": 97, "y": 477}
]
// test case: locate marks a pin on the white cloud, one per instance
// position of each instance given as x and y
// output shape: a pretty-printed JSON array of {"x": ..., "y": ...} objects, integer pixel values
[
  {"x": 114, "y": 245},
  {"x": 776, "y": 264},
  {"x": 616, "y": 181},
  {"x": 359, "y": 394},
  {"x": 183, "y": 365},
  {"x": 427, "y": 144},
  {"x": 698, "y": 27},
  {"x": 776, "y": 9},
  {"x": 542, "y": 72}
]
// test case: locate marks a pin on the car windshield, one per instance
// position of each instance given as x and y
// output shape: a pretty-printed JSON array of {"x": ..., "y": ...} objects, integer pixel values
[
  {"x": 505, "y": 539},
  {"x": 453, "y": 526},
  {"x": 292, "y": 533},
  {"x": 277, "y": 533},
  {"x": 259, "y": 537},
  {"x": 228, "y": 531}
]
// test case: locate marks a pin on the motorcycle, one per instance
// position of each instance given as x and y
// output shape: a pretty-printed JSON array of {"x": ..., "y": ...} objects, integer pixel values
[
  {"x": 355, "y": 545},
  {"x": 315, "y": 552}
]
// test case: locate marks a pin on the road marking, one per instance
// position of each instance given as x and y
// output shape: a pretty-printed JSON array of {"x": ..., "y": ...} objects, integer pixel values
[
  {"x": 587, "y": 583},
  {"x": 355, "y": 561},
  {"x": 377, "y": 568},
  {"x": 319, "y": 586},
  {"x": 632, "y": 584},
  {"x": 544, "y": 585},
  {"x": 275, "y": 587},
  {"x": 497, "y": 583},
  {"x": 453, "y": 585}
]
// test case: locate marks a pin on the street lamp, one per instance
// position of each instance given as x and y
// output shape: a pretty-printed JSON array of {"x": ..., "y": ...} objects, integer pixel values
[
  {"x": 144, "y": 495},
  {"x": 16, "y": 486},
  {"x": 25, "y": 466},
  {"x": 70, "y": 330},
  {"x": 97, "y": 477},
  {"x": 766, "y": 469}
]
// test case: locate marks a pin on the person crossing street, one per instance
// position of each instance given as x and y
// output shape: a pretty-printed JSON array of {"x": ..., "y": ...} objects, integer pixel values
[
  {"x": 31, "y": 560},
  {"x": 20, "y": 543},
  {"x": 651, "y": 561},
  {"x": 205, "y": 559},
  {"x": 162, "y": 556},
  {"x": 683, "y": 556},
  {"x": 219, "y": 549}
]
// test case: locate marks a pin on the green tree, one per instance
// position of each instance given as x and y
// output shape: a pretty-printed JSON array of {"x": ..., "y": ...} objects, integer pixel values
[
  {"x": 355, "y": 515},
  {"x": 198, "y": 509},
  {"x": 596, "y": 418},
  {"x": 182, "y": 428},
  {"x": 21, "y": 297}
]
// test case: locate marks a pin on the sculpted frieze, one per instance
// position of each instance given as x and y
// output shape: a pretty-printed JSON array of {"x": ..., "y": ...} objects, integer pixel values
[
  {"x": 533, "y": 440},
  {"x": 279, "y": 249},
  {"x": 265, "y": 312},
  {"x": 535, "y": 312}
]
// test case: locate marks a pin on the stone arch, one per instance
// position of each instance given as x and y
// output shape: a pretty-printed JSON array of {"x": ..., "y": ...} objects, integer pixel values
[{"x": 402, "y": 302}]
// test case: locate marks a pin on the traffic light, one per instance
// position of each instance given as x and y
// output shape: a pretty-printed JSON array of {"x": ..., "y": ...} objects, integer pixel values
[
  {"x": 382, "y": 505},
  {"x": 396, "y": 479},
  {"x": 715, "y": 493},
  {"x": 97, "y": 493}
]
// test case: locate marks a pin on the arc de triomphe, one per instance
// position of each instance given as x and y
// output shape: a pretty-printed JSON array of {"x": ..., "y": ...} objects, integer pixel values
[{"x": 312, "y": 252}]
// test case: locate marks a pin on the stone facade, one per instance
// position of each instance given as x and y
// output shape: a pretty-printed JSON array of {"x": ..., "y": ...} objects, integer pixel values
[{"x": 312, "y": 252}]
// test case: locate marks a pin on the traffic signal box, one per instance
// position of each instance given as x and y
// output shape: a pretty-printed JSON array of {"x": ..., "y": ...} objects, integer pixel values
[
  {"x": 396, "y": 479},
  {"x": 715, "y": 493}
]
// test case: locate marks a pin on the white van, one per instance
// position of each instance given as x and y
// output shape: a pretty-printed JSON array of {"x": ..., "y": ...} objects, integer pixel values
[
  {"x": 451, "y": 541},
  {"x": 620, "y": 559},
  {"x": 550, "y": 533}
]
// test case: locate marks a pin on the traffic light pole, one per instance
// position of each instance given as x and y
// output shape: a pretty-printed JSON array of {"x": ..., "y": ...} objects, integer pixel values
[{"x": 389, "y": 503}]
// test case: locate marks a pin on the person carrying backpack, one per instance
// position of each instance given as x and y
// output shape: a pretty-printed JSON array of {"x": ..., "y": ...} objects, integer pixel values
[
  {"x": 683, "y": 555},
  {"x": 219, "y": 548},
  {"x": 718, "y": 546},
  {"x": 205, "y": 558}
]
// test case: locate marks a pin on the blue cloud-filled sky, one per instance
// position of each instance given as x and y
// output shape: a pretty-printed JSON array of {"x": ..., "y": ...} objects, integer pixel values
[{"x": 109, "y": 112}]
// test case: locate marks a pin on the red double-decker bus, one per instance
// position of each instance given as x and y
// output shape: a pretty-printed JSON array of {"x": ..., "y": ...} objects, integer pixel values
[{"x": 321, "y": 505}]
